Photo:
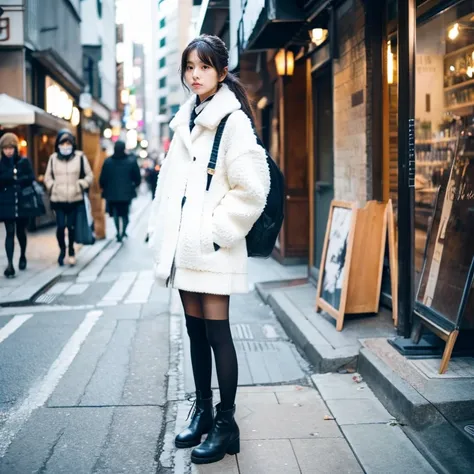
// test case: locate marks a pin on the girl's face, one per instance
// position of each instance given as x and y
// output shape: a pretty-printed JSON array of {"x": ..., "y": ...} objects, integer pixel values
[
  {"x": 9, "y": 151},
  {"x": 202, "y": 78}
]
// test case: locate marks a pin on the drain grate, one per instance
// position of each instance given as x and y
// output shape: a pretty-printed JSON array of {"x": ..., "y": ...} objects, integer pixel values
[
  {"x": 254, "y": 346},
  {"x": 241, "y": 331},
  {"x": 469, "y": 429},
  {"x": 46, "y": 298}
]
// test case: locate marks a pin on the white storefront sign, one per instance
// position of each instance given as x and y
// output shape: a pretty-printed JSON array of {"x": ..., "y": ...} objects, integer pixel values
[{"x": 11, "y": 23}]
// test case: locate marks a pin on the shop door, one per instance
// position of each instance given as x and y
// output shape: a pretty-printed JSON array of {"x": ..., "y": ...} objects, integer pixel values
[{"x": 323, "y": 157}]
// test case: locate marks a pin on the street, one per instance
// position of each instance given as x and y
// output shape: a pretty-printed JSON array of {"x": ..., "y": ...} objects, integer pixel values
[{"x": 98, "y": 380}]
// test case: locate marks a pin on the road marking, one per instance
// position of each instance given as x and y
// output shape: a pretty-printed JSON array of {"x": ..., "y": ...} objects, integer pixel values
[
  {"x": 58, "y": 289},
  {"x": 140, "y": 292},
  {"x": 120, "y": 287},
  {"x": 39, "y": 393},
  {"x": 77, "y": 289},
  {"x": 13, "y": 325}
]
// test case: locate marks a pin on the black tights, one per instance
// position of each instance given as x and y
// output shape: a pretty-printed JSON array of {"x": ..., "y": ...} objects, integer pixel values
[
  {"x": 66, "y": 218},
  {"x": 10, "y": 225},
  {"x": 207, "y": 323}
]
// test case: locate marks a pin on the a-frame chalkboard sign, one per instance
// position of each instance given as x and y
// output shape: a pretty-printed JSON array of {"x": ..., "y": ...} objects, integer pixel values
[{"x": 445, "y": 299}]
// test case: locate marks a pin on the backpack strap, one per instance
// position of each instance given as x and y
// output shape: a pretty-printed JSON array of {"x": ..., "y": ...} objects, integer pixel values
[
  {"x": 211, "y": 167},
  {"x": 82, "y": 172},
  {"x": 53, "y": 156}
]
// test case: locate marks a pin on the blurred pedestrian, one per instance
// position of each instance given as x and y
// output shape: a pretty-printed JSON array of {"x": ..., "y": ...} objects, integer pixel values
[
  {"x": 119, "y": 179},
  {"x": 68, "y": 176},
  {"x": 151, "y": 176},
  {"x": 201, "y": 249},
  {"x": 16, "y": 175}
]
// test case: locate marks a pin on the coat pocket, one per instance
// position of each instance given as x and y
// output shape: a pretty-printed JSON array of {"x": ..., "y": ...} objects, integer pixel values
[{"x": 207, "y": 241}]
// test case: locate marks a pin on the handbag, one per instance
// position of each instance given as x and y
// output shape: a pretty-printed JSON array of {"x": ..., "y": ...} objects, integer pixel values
[
  {"x": 31, "y": 200},
  {"x": 83, "y": 231}
]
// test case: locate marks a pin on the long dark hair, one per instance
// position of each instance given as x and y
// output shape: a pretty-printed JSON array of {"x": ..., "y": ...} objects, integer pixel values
[{"x": 212, "y": 51}]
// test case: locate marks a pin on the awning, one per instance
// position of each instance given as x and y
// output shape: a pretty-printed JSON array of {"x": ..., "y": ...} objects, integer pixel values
[
  {"x": 14, "y": 112},
  {"x": 272, "y": 26},
  {"x": 213, "y": 17}
]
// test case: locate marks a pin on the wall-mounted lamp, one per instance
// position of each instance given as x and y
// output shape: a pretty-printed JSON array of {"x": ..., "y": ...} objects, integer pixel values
[
  {"x": 389, "y": 63},
  {"x": 285, "y": 62},
  {"x": 319, "y": 36},
  {"x": 262, "y": 103},
  {"x": 453, "y": 32}
]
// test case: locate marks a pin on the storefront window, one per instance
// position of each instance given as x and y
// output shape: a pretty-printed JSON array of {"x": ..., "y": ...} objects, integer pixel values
[{"x": 444, "y": 104}]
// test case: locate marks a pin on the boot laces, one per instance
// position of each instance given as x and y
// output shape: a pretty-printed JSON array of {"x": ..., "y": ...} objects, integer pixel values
[{"x": 192, "y": 409}]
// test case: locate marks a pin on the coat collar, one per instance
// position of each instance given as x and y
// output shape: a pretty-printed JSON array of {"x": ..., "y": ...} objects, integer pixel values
[{"x": 223, "y": 103}]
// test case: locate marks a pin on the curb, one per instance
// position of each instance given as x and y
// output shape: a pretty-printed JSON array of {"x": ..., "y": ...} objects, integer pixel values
[
  {"x": 308, "y": 339},
  {"x": 395, "y": 394}
]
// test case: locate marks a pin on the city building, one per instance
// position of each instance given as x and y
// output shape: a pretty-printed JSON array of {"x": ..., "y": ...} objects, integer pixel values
[
  {"x": 40, "y": 75},
  {"x": 173, "y": 26},
  {"x": 98, "y": 38}
]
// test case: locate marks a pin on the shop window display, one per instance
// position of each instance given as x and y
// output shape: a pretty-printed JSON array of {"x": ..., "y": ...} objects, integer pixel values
[{"x": 444, "y": 105}]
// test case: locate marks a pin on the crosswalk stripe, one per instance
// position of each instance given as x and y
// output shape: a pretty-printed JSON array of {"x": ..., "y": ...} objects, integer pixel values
[
  {"x": 13, "y": 325},
  {"x": 39, "y": 393},
  {"x": 120, "y": 287}
]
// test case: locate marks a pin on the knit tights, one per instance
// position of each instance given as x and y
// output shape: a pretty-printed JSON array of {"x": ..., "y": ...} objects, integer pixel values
[{"x": 207, "y": 323}]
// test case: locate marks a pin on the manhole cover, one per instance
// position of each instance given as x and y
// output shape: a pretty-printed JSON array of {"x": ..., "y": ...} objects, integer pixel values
[{"x": 469, "y": 429}]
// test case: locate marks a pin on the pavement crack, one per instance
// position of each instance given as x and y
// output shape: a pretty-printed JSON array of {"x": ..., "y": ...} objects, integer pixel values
[{"x": 50, "y": 453}]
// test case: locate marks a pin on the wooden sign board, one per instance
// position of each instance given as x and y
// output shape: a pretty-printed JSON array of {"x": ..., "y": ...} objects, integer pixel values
[
  {"x": 352, "y": 259},
  {"x": 365, "y": 278},
  {"x": 336, "y": 261},
  {"x": 393, "y": 255}
]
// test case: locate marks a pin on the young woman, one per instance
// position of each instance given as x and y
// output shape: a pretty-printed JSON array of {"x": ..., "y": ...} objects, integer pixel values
[
  {"x": 119, "y": 179},
  {"x": 15, "y": 175},
  {"x": 67, "y": 176},
  {"x": 198, "y": 236}
]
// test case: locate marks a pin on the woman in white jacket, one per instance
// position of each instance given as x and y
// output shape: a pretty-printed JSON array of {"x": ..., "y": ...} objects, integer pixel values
[{"x": 198, "y": 235}]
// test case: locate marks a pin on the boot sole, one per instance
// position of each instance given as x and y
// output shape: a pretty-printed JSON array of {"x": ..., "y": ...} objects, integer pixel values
[{"x": 232, "y": 450}]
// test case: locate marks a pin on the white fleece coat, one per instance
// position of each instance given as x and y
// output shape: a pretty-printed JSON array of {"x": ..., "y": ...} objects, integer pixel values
[{"x": 183, "y": 237}]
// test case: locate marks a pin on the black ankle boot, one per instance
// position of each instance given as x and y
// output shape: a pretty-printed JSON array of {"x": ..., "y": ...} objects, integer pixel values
[
  {"x": 62, "y": 254},
  {"x": 22, "y": 263},
  {"x": 9, "y": 271},
  {"x": 224, "y": 438},
  {"x": 201, "y": 423}
]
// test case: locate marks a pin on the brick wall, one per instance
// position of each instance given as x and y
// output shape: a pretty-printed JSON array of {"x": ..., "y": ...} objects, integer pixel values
[{"x": 350, "y": 105}]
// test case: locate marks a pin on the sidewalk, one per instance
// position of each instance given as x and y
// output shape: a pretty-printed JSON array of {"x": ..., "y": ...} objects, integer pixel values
[
  {"x": 42, "y": 253},
  {"x": 339, "y": 428},
  {"x": 292, "y": 420}
]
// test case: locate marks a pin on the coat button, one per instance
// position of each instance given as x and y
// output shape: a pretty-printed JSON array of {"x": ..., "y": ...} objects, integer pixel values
[{"x": 194, "y": 158}]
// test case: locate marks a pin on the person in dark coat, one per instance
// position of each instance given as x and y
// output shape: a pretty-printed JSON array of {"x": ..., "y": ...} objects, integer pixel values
[
  {"x": 119, "y": 179},
  {"x": 15, "y": 175}
]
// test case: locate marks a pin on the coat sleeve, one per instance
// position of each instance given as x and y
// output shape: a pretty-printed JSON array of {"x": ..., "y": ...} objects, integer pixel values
[
  {"x": 103, "y": 175},
  {"x": 249, "y": 179},
  {"x": 136, "y": 176},
  {"x": 159, "y": 192},
  {"x": 27, "y": 177},
  {"x": 48, "y": 175},
  {"x": 89, "y": 177}
]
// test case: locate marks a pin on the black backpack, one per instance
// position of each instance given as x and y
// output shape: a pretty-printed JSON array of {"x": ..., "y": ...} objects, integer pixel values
[{"x": 263, "y": 235}]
